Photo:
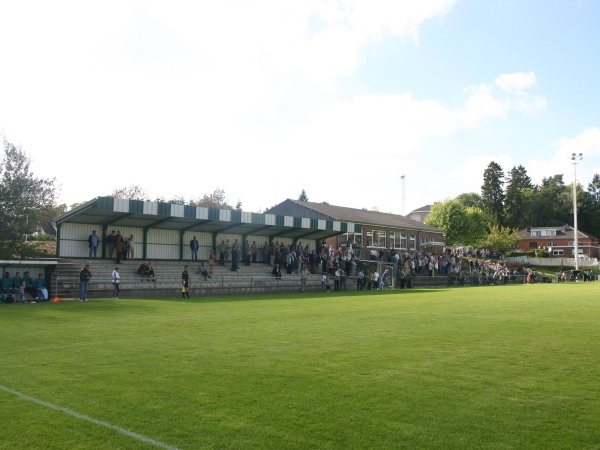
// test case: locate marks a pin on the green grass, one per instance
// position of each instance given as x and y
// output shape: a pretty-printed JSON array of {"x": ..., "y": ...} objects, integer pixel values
[{"x": 506, "y": 367}]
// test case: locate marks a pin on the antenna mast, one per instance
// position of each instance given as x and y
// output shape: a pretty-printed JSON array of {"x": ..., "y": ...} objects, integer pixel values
[{"x": 403, "y": 195}]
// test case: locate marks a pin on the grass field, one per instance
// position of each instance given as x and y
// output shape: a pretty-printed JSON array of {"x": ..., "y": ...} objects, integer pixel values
[{"x": 507, "y": 367}]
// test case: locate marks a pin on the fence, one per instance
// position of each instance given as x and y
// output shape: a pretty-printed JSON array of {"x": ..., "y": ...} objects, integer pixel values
[{"x": 553, "y": 262}]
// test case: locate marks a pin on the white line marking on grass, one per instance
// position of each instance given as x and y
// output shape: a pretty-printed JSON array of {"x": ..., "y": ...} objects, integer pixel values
[
  {"x": 63, "y": 347},
  {"x": 124, "y": 431}
]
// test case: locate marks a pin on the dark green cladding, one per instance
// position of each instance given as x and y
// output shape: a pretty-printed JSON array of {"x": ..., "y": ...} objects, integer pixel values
[
  {"x": 189, "y": 212},
  {"x": 213, "y": 214},
  {"x": 164, "y": 209},
  {"x": 136, "y": 206},
  {"x": 106, "y": 204},
  {"x": 258, "y": 219}
]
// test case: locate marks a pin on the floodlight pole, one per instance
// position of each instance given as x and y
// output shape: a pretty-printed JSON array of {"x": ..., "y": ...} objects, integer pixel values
[{"x": 574, "y": 158}]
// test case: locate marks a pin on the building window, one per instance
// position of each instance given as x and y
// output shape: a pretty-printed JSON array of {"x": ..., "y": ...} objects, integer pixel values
[
  {"x": 533, "y": 245},
  {"x": 393, "y": 242},
  {"x": 381, "y": 239},
  {"x": 403, "y": 240},
  {"x": 571, "y": 244},
  {"x": 413, "y": 242},
  {"x": 551, "y": 244},
  {"x": 558, "y": 252},
  {"x": 536, "y": 233},
  {"x": 369, "y": 238},
  {"x": 351, "y": 238}
]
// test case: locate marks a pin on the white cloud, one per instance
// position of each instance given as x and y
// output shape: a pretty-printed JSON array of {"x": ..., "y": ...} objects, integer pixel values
[{"x": 518, "y": 81}]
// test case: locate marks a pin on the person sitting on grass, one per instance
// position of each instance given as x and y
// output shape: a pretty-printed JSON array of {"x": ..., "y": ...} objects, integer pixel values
[{"x": 202, "y": 271}]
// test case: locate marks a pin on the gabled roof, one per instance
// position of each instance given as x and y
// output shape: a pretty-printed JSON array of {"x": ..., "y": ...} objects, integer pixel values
[
  {"x": 562, "y": 232},
  {"x": 116, "y": 212},
  {"x": 422, "y": 209},
  {"x": 360, "y": 216}
]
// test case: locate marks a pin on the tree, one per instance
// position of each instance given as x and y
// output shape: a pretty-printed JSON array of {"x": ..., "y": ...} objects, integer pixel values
[
  {"x": 238, "y": 205},
  {"x": 25, "y": 201},
  {"x": 133, "y": 192},
  {"x": 589, "y": 213},
  {"x": 303, "y": 197},
  {"x": 492, "y": 192},
  {"x": 470, "y": 199},
  {"x": 517, "y": 190},
  {"x": 462, "y": 225},
  {"x": 500, "y": 239},
  {"x": 550, "y": 203},
  {"x": 217, "y": 199}
]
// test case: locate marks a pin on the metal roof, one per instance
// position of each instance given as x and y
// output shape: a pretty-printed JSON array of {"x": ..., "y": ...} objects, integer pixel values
[
  {"x": 116, "y": 212},
  {"x": 361, "y": 216}
]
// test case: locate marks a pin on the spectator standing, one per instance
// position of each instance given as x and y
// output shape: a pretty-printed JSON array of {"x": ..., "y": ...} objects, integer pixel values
[
  {"x": 359, "y": 280},
  {"x": 384, "y": 279},
  {"x": 185, "y": 283},
  {"x": 267, "y": 255},
  {"x": 119, "y": 246},
  {"x": 343, "y": 279},
  {"x": 116, "y": 279},
  {"x": 247, "y": 252},
  {"x": 84, "y": 278},
  {"x": 130, "y": 249},
  {"x": 110, "y": 243},
  {"x": 93, "y": 242},
  {"x": 125, "y": 250},
  {"x": 254, "y": 251},
  {"x": 235, "y": 257},
  {"x": 212, "y": 259},
  {"x": 194, "y": 248},
  {"x": 336, "y": 280},
  {"x": 304, "y": 278},
  {"x": 375, "y": 279},
  {"x": 222, "y": 250}
]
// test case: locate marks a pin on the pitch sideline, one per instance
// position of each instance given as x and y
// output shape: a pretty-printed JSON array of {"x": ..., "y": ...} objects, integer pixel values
[{"x": 124, "y": 431}]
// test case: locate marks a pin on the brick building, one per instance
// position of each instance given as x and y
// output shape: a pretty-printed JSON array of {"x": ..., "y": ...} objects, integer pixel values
[
  {"x": 559, "y": 241},
  {"x": 378, "y": 231}
]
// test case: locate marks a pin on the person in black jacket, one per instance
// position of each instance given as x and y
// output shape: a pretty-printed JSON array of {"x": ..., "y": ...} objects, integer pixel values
[
  {"x": 185, "y": 283},
  {"x": 84, "y": 277},
  {"x": 194, "y": 248},
  {"x": 276, "y": 271}
]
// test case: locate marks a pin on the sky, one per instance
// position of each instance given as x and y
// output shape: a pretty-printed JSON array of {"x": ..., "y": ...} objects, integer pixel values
[{"x": 266, "y": 98}]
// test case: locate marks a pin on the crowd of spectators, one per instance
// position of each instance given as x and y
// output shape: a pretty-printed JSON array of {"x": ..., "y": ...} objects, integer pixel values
[{"x": 17, "y": 288}]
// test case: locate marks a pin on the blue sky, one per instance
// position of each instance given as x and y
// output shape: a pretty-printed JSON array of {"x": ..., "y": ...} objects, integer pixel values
[{"x": 266, "y": 98}]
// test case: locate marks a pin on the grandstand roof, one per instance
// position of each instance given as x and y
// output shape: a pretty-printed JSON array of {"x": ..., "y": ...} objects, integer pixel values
[{"x": 116, "y": 212}]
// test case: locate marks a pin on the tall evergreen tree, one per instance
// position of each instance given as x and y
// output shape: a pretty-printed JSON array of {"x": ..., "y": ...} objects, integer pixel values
[
  {"x": 589, "y": 213},
  {"x": 492, "y": 192},
  {"x": 550, "y": 203},
  {"x": 303, "y": 197},
  {"x": 518, "y": 190}
]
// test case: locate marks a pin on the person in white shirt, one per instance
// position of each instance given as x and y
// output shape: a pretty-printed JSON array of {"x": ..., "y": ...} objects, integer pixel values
[
  {"x": 375, "y": 279},
  {"x": 116, "y": 279}
]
